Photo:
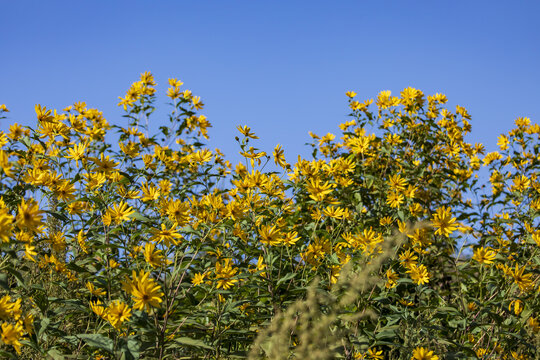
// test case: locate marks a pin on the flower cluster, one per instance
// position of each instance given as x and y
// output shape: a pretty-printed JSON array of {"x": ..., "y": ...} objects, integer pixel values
[{"x": 156, "y": 246}]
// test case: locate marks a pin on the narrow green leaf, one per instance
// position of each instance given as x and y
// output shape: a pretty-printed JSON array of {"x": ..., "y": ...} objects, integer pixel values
[
  {"x": 192, "y": 342},
  {"x": 287, "y": 277},
  {"x": 17, "y": 276},
  {"x": 98, "y": 341}
]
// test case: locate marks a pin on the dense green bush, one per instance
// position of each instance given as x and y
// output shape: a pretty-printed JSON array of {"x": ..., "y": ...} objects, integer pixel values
[{"x": 158, "y": 247}]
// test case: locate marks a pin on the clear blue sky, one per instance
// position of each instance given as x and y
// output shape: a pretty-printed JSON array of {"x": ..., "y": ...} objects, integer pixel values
[{"x": 281, "y": 67}]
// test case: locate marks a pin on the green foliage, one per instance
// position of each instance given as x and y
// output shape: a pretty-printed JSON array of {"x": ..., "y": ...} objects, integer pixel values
[{"x": 384, "y": 245}]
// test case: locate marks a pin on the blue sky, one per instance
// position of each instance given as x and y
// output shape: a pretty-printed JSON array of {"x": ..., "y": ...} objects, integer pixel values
[{"x": 281, "y": 67}]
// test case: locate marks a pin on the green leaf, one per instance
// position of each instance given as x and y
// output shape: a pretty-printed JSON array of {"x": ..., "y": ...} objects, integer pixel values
[
  {"x": 98, "y": 341},
  {"x": 4, "y": 281},
  {"x": 43, "y": 324},
  {"x": 17, "y": 276},
  {"x": 138, "y": 216},
  {"x": 287, "y": 277},
  {"x": 73, "y": 266},
  {"x": 55, "y": 354},
  {"x": 25, "y": 140},
  {"x": 130, "y": 348},
  {"x": 58, "y": 215},
  {"x": 134, "y": 346},
  {"x": 41, "y": 300},
  {"x": 388, "y": 332},
  {"x": 7, "y": 355},
  {"x": 448, "y": 309},
  {"x": 192, "y": 342}
]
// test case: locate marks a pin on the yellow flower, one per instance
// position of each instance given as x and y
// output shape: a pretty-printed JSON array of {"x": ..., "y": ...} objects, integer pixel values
[
  {"x": 131, "y": 148},
  {"x": 503, "y": 142},
  {"x": 246, "y": 131},
  {"x": 118, "y": 213},
  {"x": 536, "y": 237},
  {"x": 94, "y": 290},
  {"x": 444, "y": 222},
  {"x": 81, "y": 240},
  {"x": 270, "y": 235},
  {"x": 178, "y": 212},
  {"x": 147, "y": 79},
  {"x": 317, "y": 190},
  {"x": 290, "y": 238},
  {"x": 16, "y": 131},
  {"x": 94, "y": 180},
  {"x": 174, "y": 82},
  {"x": 152, "y": 256},
  {"x": 105, "y": 164},
  {"x": 11, "y": 333},
  {"x": 98, "y": 308},
  {"x": 385, "y": 100},
  {"x": 168, "y": 236},
  {"x": 408, "y": 258},
  {"x": 484, "y": 255},
  {"x": 423, "y": 354},
  {"x": 127, "y": 101},
  {"x": 64, "y": 190},
  {"x": 5, "y": 164},
  {"x": 77, "y": 153},
  {"x": 43, "y": 114},
  {"x": 419, "y": 274},
  {"x": 397, "y": 183},
  {"x": 521, "y": 183},
  {"x": 6, "y": 308},
  {"x": 336, "y": 212},
  {"x": 410, "y": 192},
  {"x": 375, "y": 354},
  {"x": 145, "y": 292},
  {"x": 368, "y": 240},
  {"x": 481, "y": 352},
  {"x": 197, "y": 103},
  {"x": 24, "y": 236},
  {"x": 117, "y": 313},
  {"x": 392, "y": 278},
  {"x": 78, "y": 207},
  {"x": 224, "y": 273},
  {"x": 150, "y": 192},
  {"x": 460, "y": 110},
  {"x": 522, "y": 122},
  {"x": 261, "y": 265},
  {"x": 491, "y": 157},
  {"x": 253, "y": 155},
  {"x": 165, "y": 186},
  {"x": 28, "y": 322},
  {"x": 534, "y": 324},
  {"x": 359, "y": 145},
  {"x": 29, "y": 215},
  {"x": 29, "y": 252},
  {"x": 517, "y": 356},
  {"x": 516, "y": 306},
  {"x": 406, "y": 302},
  {"x": 279, "y": 157},
  {"x": 385, "y": 221},
  {"x": 395, "y": 199},
  {"x": 524, "y": 281},
  {"x": 3, "y": 139},
  {"x": 198, "y": 279}
]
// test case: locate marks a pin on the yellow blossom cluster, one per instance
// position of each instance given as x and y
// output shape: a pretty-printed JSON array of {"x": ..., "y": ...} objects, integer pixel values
[{"x": 156, "y": 246}]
